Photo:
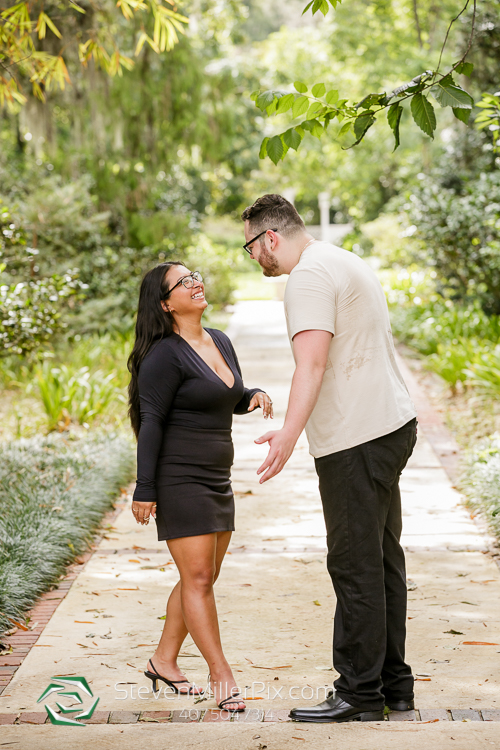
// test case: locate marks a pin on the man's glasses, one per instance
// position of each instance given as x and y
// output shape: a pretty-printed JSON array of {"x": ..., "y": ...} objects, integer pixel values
[
  {"x": 186, "y": 281},
  {"x": 247, "y": 247}
]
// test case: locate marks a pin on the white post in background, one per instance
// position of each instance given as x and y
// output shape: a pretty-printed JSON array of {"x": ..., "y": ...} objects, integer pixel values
[
  {"x": 289, "y": 193},
  {"x": 324, "y": 201}
]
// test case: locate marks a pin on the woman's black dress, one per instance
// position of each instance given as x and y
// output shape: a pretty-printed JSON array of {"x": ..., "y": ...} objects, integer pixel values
[{"x": 185, "y": 451}]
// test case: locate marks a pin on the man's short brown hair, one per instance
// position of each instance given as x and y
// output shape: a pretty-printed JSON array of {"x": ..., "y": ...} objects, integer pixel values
[{"x": 272, "y": 211}]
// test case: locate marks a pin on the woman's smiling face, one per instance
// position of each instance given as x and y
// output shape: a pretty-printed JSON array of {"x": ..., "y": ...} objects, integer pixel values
[{"x": 182, "y": 300}]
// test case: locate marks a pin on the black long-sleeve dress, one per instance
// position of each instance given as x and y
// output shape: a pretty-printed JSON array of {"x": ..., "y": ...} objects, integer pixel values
[{"x": 185, "y": 450}]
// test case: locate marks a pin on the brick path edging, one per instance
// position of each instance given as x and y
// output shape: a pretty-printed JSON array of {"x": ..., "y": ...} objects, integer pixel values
[
  {"x": 252, "y": 715},
  {"x": 22, "y": 641}
]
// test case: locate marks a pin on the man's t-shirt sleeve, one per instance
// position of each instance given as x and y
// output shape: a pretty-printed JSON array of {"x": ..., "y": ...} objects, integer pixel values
[{"x": 310, "y": 302}]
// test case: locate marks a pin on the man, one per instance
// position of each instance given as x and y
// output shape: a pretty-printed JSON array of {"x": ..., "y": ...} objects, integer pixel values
[{"x": 349, "y": 395}]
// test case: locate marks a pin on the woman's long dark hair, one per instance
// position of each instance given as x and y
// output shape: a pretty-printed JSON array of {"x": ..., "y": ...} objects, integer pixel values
[{"x": 153, "y": 324}]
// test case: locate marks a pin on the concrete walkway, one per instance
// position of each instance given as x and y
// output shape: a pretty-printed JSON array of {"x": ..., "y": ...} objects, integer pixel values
[{"x": 276, "y": 607}]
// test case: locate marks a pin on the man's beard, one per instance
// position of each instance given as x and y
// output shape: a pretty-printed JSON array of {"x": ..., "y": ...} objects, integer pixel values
[{"x": 269, "y": 264}]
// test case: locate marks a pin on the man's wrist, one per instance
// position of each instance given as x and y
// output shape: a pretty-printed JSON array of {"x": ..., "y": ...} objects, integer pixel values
[{"x": 290, "y": 433}]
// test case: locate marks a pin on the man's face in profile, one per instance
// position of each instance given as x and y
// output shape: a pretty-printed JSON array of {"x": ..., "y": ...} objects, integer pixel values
[{"x": 264, "y": 257}]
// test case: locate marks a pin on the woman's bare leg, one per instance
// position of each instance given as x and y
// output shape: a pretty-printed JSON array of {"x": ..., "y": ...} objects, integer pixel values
[
  {"x": 172, "y": 638},
  {"x": 198, "y": 560}
]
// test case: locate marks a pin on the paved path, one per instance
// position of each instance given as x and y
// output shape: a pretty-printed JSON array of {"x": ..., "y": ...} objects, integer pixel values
[{"x": 276, "y": 606}]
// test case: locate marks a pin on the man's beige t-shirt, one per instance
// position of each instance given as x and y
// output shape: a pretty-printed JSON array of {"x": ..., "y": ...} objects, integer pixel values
[{"x": 363, "y": 395}]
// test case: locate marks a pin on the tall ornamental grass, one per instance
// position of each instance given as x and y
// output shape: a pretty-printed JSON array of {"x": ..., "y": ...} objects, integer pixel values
[{"x": 53, "y": 494}]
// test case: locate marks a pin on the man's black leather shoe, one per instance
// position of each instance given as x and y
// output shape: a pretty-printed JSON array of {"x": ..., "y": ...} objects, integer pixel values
[
  {"x": 400, "y": 705},
  {"x": 335, "y": 709}
]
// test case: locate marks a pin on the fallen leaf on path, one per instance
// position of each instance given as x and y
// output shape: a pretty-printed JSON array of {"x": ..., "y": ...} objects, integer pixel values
[
  {"x": 478, "y": 643},
  {"x": 85, "y": 622},
  {"x": 298, "y": 738},
  {"x": 137, "y": 561},
  {"x": 490, "y": 580},
  {"x": 42, "y": 645},
  {"x": 452, "y": 632},
  {"x": 423, "y": 679},
  {"x": 472, "y": 603},
  {"x": 257, "y": 698},
  {"x": 82, "y": 645},
  {"x": 285, "y": 666},
  {"x": 318, "y": 604},
  {"x": 431, "y": 721},
  {"x": 136, "y": 546},
  {"x": 19, "y": 624}
]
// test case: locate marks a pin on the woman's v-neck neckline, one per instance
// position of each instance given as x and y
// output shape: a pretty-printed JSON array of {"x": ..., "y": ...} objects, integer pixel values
[{"x": 229, "y": 387}]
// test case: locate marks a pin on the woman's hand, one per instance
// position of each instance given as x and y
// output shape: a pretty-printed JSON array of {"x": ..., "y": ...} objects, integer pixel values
[
  {"x": 265, "y": 403},
  {"x": 143, "y": 511}
]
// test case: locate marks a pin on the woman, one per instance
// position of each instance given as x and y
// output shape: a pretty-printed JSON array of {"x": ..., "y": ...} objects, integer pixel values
[{"x": 185, "y": 386}]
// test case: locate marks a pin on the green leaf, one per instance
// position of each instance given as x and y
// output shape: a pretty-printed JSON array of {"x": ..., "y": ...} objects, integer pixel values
[
  {"x": 285, "y": 146},
  {"x": 254, "y": 95},
  {"x": 465, "y": 68},
  {"x": 263, "y": 148},
  {"x": 370, "y": 100},
  {"x": 300, "y": 87},
  {"x": 332, "y": 96},
  {"x": 314, "y": 127},
  {"x": 313, "y": 110},
  {"x": 423, "y": 114},
  {"x": 318, "y": 89},
  {"x": 307, "y": 7},
  {"x": 321, "y": 5},
  {"x": 462, "y": 114},
  {"x": 300, "y": 106},
  {"x": 292, "y": 139},
  {"x": 317, "y": 130},
  {"x": 274, "y": 148},
  {"x": 285, "y": 103},
  {"x": 265, "y": 99},
  {"x": 362, "y": 123},
  {"x": 345, "y": 128},
  {"x": 452, "y": 96},
  {"x": 394, "y": 118}
]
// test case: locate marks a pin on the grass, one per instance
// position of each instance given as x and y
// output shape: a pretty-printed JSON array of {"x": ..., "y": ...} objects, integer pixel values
[{"x": 53, "y": 494}]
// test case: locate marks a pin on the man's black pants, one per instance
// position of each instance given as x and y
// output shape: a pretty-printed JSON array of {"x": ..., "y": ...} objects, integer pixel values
[{"x": 361, "y": 499}]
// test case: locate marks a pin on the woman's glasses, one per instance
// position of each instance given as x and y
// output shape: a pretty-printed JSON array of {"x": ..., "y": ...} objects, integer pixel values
[{"x": 186, "y": 281}]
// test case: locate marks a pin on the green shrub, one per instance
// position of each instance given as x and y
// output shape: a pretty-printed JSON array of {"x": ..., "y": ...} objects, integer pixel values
[
  {"x": 458, "y": 228},
  {"x": 484, "y": 373},
  {"x": 451, "y": 360},
  {"x": 217, "y": 265},
  {"x": 75, "y": 395}
]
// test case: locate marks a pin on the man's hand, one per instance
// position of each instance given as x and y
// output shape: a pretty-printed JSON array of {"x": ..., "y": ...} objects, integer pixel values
[
  {"x": 310, "y": 350},
  {"x": 281, "y": 445}
]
